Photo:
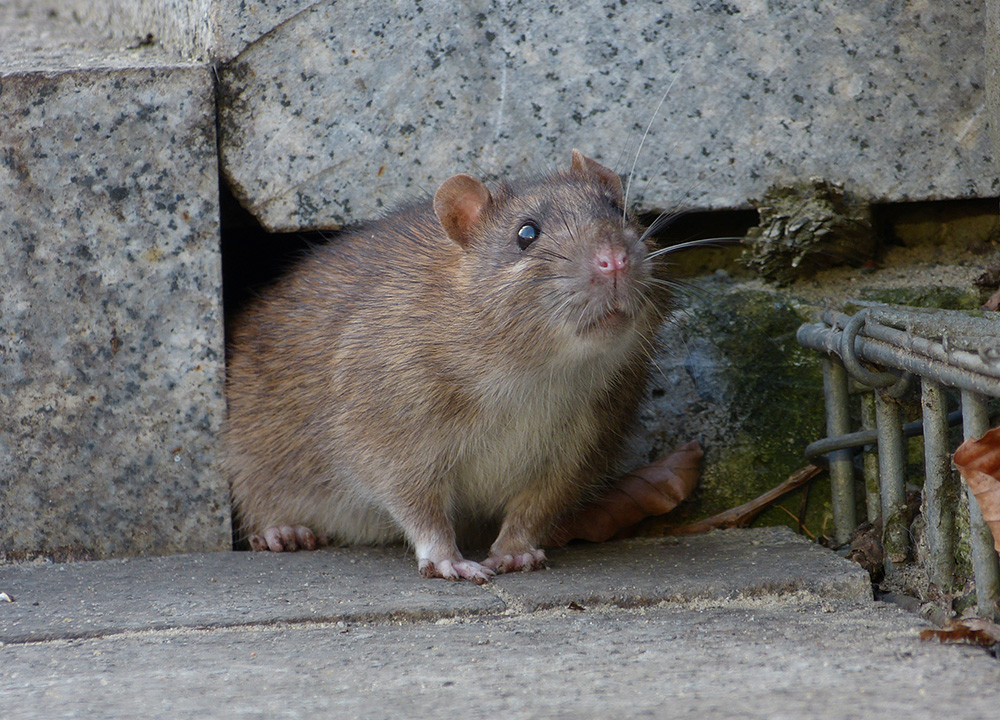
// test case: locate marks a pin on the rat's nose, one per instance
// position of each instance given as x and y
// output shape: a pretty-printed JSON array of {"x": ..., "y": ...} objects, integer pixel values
[{"x": 611, "y": 261}]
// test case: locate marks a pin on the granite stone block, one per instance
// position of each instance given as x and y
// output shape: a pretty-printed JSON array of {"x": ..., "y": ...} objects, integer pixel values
[
  {"x": 60, "y": 35},
  {"x": 345, "y": 109},
  {"x": 992, "y": 72},
  {"x": 111, "y": 343},
  {"x": 196, "y": 29}
]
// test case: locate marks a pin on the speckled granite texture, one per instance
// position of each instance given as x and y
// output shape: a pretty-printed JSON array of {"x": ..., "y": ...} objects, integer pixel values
[
  {"x": 111, "y": 356},
  {"x": 198, "y": 29},
  {"x": 992, "y": 73},
  {"x": 346, "y": 108},
  {"x": 193, "y": 30}
]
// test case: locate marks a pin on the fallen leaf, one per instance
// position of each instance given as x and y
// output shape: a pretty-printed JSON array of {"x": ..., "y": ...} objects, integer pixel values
[
  {"x": 979, "y": 463},
  {"x": 992, "y": 303},
  {"x": 866, "y": 548},
  {"x": 975, "y": 631},
  {"x": 651, "y": 490}
]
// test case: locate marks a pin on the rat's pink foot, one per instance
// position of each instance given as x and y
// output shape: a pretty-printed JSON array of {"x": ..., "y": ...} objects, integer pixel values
[
  {"x": 531, "y": 560},
  {"x": 286, "y": 538},
  {"x": 455, "y": 570}
]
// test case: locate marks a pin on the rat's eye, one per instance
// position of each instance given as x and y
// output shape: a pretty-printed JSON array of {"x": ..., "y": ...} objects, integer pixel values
[{"x": 527, "y": 234}]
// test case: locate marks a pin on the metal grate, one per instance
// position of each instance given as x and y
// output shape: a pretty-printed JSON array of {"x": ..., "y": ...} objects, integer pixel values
[{"x": 941, "y": 349}]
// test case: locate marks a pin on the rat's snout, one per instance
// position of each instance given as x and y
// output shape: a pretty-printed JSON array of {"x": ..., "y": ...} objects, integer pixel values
[{"x": 611, "y": 261}]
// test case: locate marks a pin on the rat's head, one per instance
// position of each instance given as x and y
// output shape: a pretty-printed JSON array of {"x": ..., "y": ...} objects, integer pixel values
[{"x": 553, "y": 258}]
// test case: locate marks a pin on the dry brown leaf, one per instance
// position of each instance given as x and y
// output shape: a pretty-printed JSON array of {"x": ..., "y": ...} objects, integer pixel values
[
  {"x": 866, "y": 548},
  {"x": 975, "y": 631},
  {"x": 651, "y": 490},
  {"x": 993, "y": 303},
  {"x": 979, "y": 463}
]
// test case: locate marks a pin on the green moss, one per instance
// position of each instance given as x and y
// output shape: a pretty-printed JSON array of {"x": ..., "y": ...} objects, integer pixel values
[
  {"x": 774, "y": 391},
  {"x": 808, "y": 226},
  {"x": 943, "y": 298}
]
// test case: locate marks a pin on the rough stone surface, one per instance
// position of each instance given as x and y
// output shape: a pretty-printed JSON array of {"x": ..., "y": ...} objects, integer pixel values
[
  {"x": 346, "y": 634},
  {"x": 719, "y": 566},
  {"x": 224, "y": 589},
  {"x": 110, "y": 316},
  {"x": 814, "y": 660},
  {"x": 346, "y": 108},
  {"x": 197, "y": 29},
  {"x": 992, "y": 73},
  {"x": 58, "y": 35},
  {"x": 731, "y": 375}
]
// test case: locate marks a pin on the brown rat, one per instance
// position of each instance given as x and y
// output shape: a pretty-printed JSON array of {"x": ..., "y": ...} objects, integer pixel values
[{"x": 471, "y": 361}]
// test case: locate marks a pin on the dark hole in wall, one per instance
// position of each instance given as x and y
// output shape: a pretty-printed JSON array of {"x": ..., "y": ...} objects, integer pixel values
[
  {"x": 971, "y": 223},
  {"x": 252, "y": 257},
  {"x": 703, "y": 225},
  {"x": 950, "y": 227}
]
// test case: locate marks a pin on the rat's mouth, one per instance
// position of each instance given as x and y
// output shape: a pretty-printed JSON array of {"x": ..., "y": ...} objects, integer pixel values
[{"x": 610, "y": 320}]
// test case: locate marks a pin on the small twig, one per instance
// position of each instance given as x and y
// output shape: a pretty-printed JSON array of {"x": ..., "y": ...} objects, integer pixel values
[
  {"x": 742, "y": 515},
  {"x": 803, "y": 507},
  {"x": 798, "y": 520}
]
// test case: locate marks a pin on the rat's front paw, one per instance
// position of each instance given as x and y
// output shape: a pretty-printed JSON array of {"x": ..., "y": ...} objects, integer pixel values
[
  {"x": 532, "y": 559},
  {"x": 286, "y": 538},
  {"x": 457, "y": 569}
]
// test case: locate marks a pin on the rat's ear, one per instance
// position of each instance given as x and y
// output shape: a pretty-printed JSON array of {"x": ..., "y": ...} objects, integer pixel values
[
  {"x": 459, "y": 203},
  {"x": 585, "y": 167}
]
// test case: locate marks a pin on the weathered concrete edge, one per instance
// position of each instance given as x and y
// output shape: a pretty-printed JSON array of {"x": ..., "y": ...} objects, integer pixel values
[{"x": 378, "y": 586}]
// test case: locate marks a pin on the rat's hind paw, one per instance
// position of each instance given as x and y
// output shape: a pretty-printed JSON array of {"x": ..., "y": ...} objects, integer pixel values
[
  {"x": 531, "y": 560},
  {"x": 455, "y": 570},
  {"x": 286, "y": 538}
]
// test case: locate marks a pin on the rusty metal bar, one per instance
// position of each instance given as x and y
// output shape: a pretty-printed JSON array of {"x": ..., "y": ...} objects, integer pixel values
[
  {"x": 869, "y": 459},
  {"x": 976, "y": 423},
  {"x": 838, "y": 422},
  {"x": 938, "y": 505},
  {"x": 823, "y": 338},
  {"x": 892, "y": 480},
  {"x": 943, "y": 348}
]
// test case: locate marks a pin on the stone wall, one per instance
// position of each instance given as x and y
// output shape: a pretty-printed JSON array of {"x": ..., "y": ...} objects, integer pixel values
[
  {"x": 111, "y": 352},
  {"x": 884, "y": 97},
  {"x": 111, "y": 329}
]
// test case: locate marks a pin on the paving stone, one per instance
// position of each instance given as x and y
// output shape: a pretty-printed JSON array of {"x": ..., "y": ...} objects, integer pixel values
[
  {"x": 750, "y": 660},
  {"x": 110, "y": 317},
  {"x": 382, "y": 584},
  {"x": 346, "y": 108},
  {"x": 225, "y": 589},
  {"x": 717, "y": 566}
]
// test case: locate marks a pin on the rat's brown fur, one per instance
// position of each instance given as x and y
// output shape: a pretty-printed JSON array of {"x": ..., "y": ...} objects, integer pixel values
[{"x": 424, "y": 373}]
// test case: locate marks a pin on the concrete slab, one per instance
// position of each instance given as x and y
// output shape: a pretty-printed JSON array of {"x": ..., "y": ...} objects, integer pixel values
[
  {"x": 359, "y": 584},
  {"x": 356, "y": 633},
  {"x": 111, "y": 331},
  {"x": 344, "y": 109},
  {"x": 718, "y": 566},
  {"x": 224, "y": 589},
  {"x": 746, "y": 659}
]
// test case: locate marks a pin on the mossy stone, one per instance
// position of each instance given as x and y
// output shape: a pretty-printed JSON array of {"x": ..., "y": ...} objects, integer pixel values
[{"x": 764, "y": 393}]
